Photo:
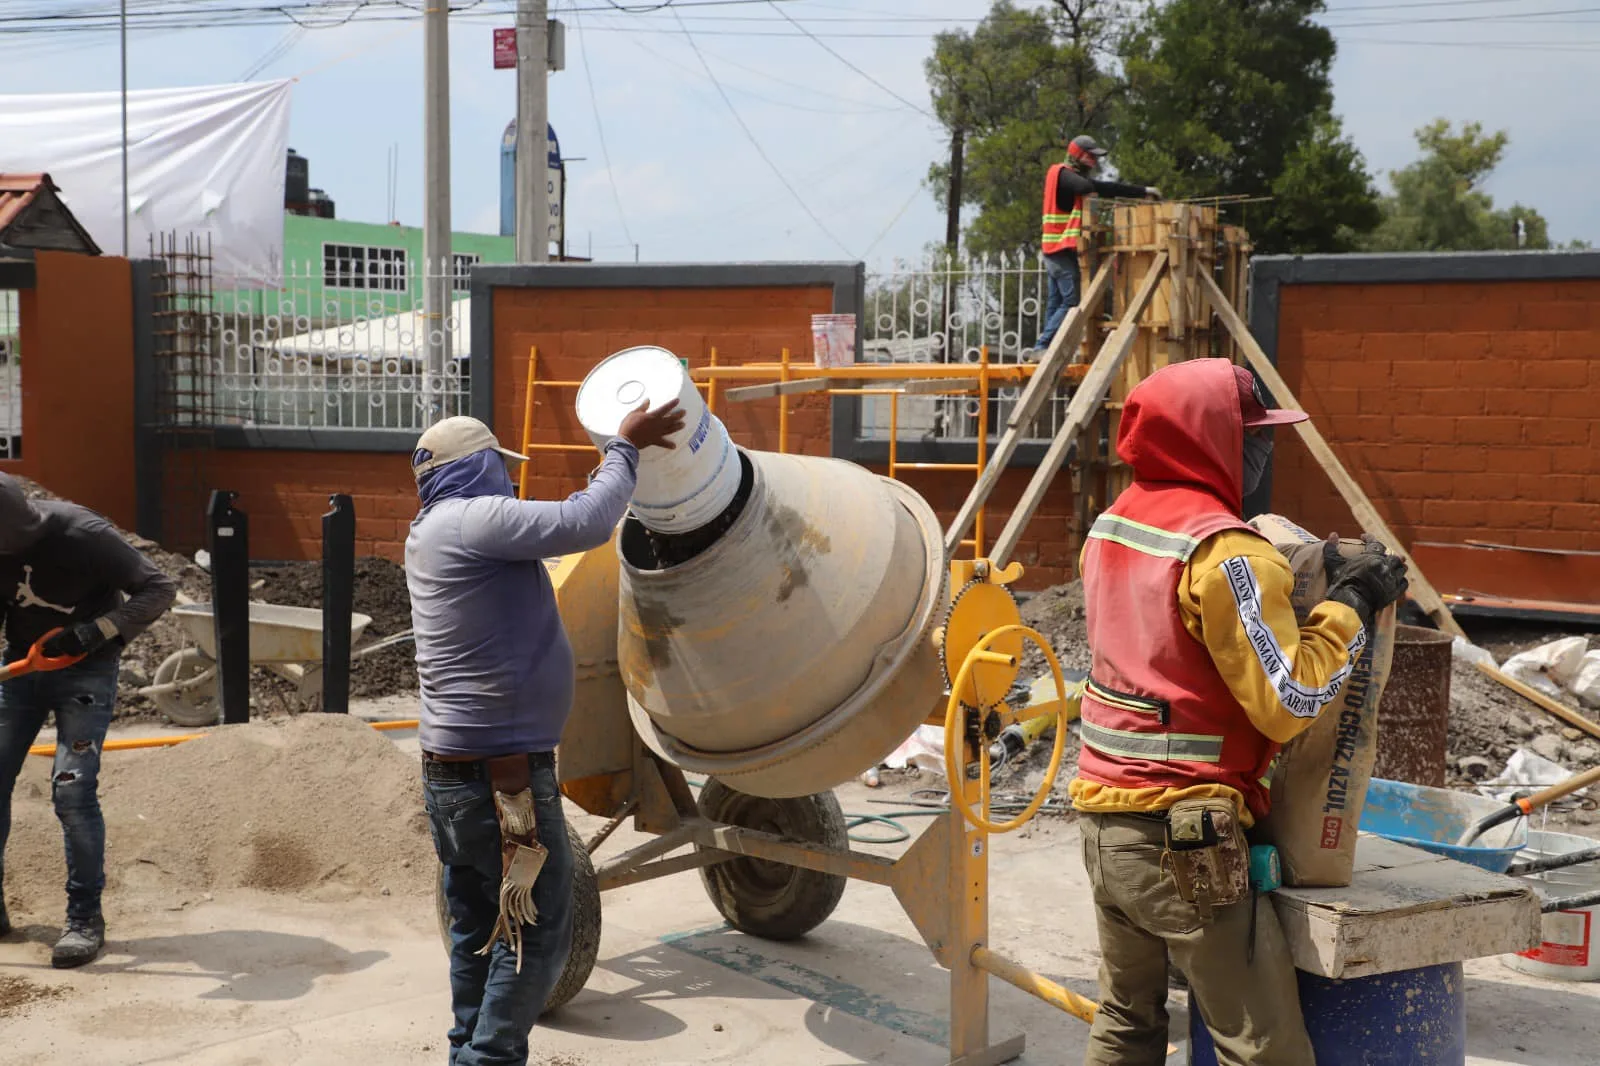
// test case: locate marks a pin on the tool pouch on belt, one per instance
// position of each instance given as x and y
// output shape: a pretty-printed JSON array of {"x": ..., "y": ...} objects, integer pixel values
[
  {"x": 1206, "y": 853},
  {"x": 521, "y": 854}
]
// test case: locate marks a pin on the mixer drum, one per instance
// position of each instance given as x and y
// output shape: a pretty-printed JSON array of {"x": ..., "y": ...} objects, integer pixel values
[{"x": 793, "y": 653}]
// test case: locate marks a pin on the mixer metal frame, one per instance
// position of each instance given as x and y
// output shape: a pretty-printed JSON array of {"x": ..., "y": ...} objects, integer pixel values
[{"x": 941, "y": 881}]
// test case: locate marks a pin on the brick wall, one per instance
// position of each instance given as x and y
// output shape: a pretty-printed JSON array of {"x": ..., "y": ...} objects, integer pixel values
[
  {"x": 1465, "y": 409},
  {"x": 77, "y": 382}
]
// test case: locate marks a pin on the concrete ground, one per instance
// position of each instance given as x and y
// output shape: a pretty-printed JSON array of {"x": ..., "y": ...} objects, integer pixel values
[{"x": 257, "y": 980}]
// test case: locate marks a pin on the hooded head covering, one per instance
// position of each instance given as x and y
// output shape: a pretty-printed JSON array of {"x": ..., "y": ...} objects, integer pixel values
[
  {"x": 21, "y": 524},
  {"x": 1185, "y": 423}
]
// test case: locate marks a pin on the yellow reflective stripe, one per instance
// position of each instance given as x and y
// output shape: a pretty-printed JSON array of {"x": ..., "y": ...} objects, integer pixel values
[
  {"x": 1157, "y": 747},
  {"x": 1148, "y": 540},
  {"x": 1126, "y": 703}
]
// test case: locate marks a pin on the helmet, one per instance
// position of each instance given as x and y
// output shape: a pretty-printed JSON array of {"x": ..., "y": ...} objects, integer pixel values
[{"x": 1084, "y": 151}]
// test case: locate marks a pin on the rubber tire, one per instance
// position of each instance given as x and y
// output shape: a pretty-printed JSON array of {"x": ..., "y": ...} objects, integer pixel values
[
  {"x": 192, "y": 708},
  {"x": 585, "y": 924},
  {"x": 768, "y": 899}
]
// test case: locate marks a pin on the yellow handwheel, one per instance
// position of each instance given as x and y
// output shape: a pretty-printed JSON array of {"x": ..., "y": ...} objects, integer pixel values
[{"x": 954, "y": 716}]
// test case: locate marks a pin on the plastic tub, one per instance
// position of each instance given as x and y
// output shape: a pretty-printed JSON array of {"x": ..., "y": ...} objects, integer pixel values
[
  {"x": 681, "y": 489},
  {"x": 833, "y": 339},
  {"x": 1570, "y": 947}
]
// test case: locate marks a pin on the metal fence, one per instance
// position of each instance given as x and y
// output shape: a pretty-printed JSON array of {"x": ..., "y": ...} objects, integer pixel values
[
  {"x": 947, "y": 311},
  {"x": 10, "y": 376},
  {"x": 319, "y": 345}
]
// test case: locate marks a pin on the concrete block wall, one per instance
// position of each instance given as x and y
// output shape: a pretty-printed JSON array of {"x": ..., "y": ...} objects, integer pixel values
[{"x": 1458, "y": 391}]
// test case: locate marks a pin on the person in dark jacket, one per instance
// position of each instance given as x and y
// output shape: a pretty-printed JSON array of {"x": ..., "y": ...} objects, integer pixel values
[
  {"x": 66, "y": 571},
  {"x": 1067, "y": 187}
]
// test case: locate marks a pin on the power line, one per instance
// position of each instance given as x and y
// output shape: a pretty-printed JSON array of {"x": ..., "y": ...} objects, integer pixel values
[
  {"x": 594, "y": 102},
  {"x": 777, "y": 172},
  {"x": 867, "y": 110},
  {"x": 826, "y": 48}
]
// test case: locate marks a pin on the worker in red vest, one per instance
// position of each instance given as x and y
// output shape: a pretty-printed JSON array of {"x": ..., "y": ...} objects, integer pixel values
[
  {"x": 1066, "y": 188},
  {"x": 1200, "y": 672}
]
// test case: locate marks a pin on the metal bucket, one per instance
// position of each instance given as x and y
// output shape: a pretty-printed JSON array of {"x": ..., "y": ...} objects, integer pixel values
[
  {"x": 1414, "y": 713},
  {"x": 793, "y": 652},
  {"x": 681, "y": 489}
]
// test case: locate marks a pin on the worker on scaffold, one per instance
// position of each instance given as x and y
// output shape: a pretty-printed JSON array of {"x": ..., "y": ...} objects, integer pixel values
[
  {"x": 1199, "y": 673},
  {"x": 1067, "y": 188}
]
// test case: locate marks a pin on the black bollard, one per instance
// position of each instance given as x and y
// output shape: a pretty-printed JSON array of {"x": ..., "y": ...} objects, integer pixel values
[
  {"x": 338, "y": 601},
  {"x": 228, "y": 541}
]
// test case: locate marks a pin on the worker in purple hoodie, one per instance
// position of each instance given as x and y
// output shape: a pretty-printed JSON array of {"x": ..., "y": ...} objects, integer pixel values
[{"x": 496, "y": 675}]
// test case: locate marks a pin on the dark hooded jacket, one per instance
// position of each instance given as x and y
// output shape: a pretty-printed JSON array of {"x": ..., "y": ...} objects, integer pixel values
[{"x": 61, "y": 564}]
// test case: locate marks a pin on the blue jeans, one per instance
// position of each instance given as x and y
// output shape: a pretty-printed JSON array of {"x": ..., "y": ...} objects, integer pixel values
[
  {"x": 1062, "y": 270},
  {"x": 82, "y": 698},
  {"x": 495, "y": 1007}
]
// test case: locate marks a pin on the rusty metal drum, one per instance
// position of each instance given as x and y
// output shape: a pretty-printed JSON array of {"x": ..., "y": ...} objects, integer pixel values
[{"x": 1414, "y": 714}]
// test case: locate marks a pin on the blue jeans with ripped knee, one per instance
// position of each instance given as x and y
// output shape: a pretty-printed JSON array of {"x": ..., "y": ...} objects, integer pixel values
[{"x": 82, "y": 697}]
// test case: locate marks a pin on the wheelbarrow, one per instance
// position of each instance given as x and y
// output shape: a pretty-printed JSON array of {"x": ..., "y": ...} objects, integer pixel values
[{"x": 284, "y": 640}]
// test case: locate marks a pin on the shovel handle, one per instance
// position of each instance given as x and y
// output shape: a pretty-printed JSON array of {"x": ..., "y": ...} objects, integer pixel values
[
  {"x": 36, "y": 660},
  {"x": 1529, "y": 804}
]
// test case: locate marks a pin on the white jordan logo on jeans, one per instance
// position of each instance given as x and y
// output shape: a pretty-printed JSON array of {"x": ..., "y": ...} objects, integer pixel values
[{"x": 27, "y": 598}]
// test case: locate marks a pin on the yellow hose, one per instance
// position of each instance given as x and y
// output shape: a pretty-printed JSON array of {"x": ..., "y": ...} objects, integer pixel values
[
  {"x": 954, "y": 718},
  {"x": 137, "y": 743}
]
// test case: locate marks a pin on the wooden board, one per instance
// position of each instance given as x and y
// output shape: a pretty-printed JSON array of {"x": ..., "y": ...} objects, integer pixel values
[
  {"x": 1360, "y": 506},
  {"x": 1406, "y": 908}
]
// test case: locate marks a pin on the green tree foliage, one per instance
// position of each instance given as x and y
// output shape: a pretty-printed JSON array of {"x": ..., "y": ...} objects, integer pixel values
[
  {"x": 1021, "y": 84},
  {"x": 1439, "y": 204},
  {"x": 1234, "y": 97}
]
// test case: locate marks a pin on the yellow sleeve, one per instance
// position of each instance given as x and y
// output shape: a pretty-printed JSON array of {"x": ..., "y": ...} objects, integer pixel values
[{"x": 1234, "y": 598}]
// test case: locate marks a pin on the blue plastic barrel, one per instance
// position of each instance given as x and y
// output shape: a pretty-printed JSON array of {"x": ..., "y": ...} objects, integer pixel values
[{"x": 1409, "y": 1018}]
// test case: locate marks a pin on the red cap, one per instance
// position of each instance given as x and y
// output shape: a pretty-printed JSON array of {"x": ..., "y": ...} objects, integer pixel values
[{"x": 1253, "y": 404}]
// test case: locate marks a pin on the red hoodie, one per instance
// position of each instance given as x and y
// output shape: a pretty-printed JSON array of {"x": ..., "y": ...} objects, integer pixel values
[{"x": 1200, "y": 671}]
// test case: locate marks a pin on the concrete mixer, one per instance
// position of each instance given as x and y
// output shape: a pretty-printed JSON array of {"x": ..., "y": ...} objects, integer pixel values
[{"x": 783, "y": 640}]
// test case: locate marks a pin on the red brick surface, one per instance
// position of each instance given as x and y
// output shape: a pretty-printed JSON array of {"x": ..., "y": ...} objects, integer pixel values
[{"x": 1464, "y": 410}]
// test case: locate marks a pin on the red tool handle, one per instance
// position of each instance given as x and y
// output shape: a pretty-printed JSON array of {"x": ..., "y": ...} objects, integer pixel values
[{"x": 37, "y": 661}]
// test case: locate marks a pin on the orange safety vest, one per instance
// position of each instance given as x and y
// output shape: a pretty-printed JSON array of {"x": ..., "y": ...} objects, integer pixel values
[
  {"x": 1061, "y": 230},
  {"x": 1156, "y": 713}
]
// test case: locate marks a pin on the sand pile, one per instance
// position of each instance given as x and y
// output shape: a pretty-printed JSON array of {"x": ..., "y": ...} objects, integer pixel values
[{"x": 319, "y": 806}]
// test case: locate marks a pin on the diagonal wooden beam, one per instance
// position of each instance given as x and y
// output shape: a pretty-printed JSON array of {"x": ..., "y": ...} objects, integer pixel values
[
  {"x": 1360, "y": 505},
  {"x": 1043, "y": 382},
  {"x": 1084, "y": 404},
  {"x": 777, "y": 388}
]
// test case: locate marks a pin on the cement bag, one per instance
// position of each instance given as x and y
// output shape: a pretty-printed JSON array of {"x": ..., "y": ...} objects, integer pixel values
[
  {"x": 1586, "y": 684},
  {"x": 1319, "y": 784},
  {"x": 1551, "y": 667}
]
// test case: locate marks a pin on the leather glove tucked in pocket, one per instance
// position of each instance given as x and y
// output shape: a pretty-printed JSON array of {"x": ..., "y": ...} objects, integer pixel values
[{"x": 1206, "y": 853}]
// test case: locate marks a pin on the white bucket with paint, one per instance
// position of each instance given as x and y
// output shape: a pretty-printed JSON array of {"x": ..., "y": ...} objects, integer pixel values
[
  {"x": 833, "y": 340},
  {"x": 679, "y": 489},
  {"x": 1570, "y": 940}
]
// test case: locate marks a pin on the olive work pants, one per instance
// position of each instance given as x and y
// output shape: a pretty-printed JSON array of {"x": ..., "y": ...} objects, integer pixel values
[{"x": 1251, "y": 1007}]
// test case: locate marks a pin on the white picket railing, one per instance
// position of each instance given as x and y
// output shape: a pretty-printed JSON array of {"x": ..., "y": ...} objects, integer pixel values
[
  {"x": 10, "y": 376},
  {"x": 948, "y": 311}
]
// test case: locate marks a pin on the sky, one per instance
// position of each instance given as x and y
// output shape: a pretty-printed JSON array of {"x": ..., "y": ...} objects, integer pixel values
[{"x": 744, "y": 139}]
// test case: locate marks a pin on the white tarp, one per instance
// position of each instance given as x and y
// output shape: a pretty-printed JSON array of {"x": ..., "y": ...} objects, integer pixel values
[
  {"x": 207, "y": 160},
  {"x": 402, "y": 335}
]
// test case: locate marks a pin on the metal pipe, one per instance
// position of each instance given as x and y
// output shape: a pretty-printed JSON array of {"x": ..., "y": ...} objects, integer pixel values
[
  {"x": 527, "y": 420},
  {"x": 123, "y": 32},
  {"x": 783, "y": 406},
  {"x": 1039, "y": 987},
  {"x": 141, "y": 743}
]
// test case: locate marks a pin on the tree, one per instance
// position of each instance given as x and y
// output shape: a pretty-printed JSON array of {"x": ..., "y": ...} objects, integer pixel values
[
  {"x": 1439, "y": 204},
  {"x": 1234, "y": 97},
  {"x": 1011, "y": 93}
]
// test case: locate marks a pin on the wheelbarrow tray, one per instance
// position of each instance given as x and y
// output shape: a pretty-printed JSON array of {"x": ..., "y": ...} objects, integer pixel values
[
  {"x": 277, "y": 634},
  {"x": 1433, "y": 819}
]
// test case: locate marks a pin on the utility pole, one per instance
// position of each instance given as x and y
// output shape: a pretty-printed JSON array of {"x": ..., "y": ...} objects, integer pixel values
[
  {"x": 952, "y": 208},
  {"x": 533, "y": 124},
  {"x": 123, "y": 27},
  {"x": 437, "y": 275}
]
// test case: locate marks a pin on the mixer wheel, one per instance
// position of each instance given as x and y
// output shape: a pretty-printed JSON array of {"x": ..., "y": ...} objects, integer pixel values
[
  {"x": 771, "y": 899},
  {"x": 585, "y": 924}
]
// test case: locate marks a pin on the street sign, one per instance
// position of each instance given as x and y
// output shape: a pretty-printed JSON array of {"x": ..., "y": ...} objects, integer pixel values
[
  {"x": 505, "y": 49},
  {"x": 556, "y": 186}
]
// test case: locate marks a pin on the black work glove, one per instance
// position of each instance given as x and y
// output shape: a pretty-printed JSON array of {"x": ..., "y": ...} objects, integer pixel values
[
  {"x": 1370, "y": 582},
  {"x": 85, "y": 638},
  {"x": 1334, "y": 561}
]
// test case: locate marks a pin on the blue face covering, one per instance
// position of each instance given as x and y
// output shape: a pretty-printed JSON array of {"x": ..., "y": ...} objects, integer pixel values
[
  {"x": 479, "y": 474},
  {"x": 1257, "y": 450}
]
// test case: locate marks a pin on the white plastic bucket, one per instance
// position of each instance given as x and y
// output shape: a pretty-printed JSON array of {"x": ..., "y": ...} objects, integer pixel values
[
  {"x": 833, "y": 340},
  {"x": 1570, "y": 940},
  {"x": 681, "y": 489}
]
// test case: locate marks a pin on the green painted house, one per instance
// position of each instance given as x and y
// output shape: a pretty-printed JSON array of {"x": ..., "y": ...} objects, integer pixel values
[{"x": 334, "y": 270}]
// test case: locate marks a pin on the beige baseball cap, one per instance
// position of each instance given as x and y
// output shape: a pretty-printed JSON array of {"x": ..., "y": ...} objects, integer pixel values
[{"x": 452, "y": 439}]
